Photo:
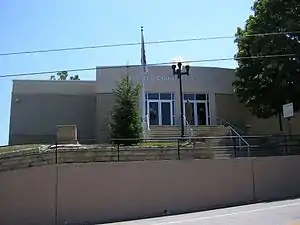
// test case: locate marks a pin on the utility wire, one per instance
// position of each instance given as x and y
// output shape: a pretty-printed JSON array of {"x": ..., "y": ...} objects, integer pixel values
[
  {"x": 139, "y": 43},
  {"x": 148, "y": 65}
]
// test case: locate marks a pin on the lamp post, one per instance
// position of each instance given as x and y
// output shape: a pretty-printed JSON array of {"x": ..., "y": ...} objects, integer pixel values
[{"x": 177, "y": 70}]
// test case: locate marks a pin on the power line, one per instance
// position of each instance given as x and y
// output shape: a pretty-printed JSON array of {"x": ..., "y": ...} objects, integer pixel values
[
  {"x": 149, "y": 65},
  {"x": 138, "y": 43}
]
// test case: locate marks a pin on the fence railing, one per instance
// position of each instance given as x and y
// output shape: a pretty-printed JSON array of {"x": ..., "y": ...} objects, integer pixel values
[
  {"x": 241, "y": 142},
  {"x": 12, "y": 157},
  {"x": 190, "y": 131},
  {"x": 235, "y": 131}
]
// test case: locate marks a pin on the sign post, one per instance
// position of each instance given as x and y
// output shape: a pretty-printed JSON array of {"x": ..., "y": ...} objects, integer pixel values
[{"x": 288, "y": 113}]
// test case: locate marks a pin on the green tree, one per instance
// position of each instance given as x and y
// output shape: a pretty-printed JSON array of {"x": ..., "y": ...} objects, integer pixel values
[
  {"x": 75, "y": 77},
  {"x": 126, "y": 122},
  {"x": 63, "y": 75},
  {"x": 264, "y": 84}
]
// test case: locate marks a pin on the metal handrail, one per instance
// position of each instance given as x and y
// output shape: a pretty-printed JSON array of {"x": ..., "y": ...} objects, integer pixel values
[
  {"x": 148, "y": 121},
  {"x": 191, "y": 132},
  {"x": 235, "y": 130},
  {"x": 241, "y": 139},
  {"x": 227, "y": 123}
]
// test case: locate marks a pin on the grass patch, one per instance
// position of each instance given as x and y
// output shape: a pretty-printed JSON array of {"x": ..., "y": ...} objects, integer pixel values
[
  {"x": 158, "y": 144},
  {"x": 17, "y": 148},
  {"x": 145, "y": 144}
]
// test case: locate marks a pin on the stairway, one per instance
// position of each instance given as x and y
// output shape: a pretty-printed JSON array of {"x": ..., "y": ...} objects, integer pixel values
[
  {"x": 210, "y": 140},
  {"x": 216, "y": 144},
  {"x": 175, "y": 131},
  {"x": 165, "y": 132}
]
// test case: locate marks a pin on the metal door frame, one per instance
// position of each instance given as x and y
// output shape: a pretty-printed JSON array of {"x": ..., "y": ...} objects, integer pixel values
[
  {"x": 159, "y": 102},
  {"x": 196, "y": 110}
]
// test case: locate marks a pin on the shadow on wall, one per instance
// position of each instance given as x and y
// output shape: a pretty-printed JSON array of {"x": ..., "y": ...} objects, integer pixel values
[{"x": 101, "y": 192}]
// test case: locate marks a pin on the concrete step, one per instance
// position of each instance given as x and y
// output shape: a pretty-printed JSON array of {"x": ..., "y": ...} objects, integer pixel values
[{"x": 198, "y": 131}]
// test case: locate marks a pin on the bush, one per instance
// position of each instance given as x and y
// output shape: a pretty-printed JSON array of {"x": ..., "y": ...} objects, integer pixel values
[{"x": 126, "y": 121}]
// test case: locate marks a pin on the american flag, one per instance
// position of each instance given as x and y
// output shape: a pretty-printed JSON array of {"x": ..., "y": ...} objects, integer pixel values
[{"x": 143, "y": 54}]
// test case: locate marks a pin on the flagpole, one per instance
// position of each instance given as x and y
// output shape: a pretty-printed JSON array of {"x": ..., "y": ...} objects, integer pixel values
[{"x": 144, "y": 71}]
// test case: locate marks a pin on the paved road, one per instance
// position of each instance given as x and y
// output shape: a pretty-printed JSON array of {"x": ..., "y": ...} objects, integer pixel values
[{"x": 272, "y": 213}]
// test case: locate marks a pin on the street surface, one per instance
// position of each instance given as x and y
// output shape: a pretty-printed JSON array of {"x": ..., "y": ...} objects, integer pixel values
[{"x": 269, "y": 213}]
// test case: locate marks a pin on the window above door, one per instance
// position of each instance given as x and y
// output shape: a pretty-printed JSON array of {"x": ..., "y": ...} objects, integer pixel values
[
  {"x": 159, "y": 96},
  {"x": 199, "y": 97}
]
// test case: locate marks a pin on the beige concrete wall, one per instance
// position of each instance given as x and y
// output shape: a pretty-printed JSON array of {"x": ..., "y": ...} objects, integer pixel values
[
  {"x": 104, "y": 105},
  {"x": 97, "y": 192},
  {"x": 103, "y": 191},
  {"x": 34, "y": 117},
  {"x": 76, "y": 87},
  {"x": 141, "y": 189},
  {"x": 229, "y": 108},
  {"x": 276, "y": 177},
  {"x": 28, "y": 196},
  {"x": 271, "y": 125},
  {"x": 160, "y": 78}
]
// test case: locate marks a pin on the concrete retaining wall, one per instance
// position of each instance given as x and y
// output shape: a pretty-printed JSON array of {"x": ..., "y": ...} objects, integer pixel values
[
  {"x": 276, "y": 177},
  {"x": 42, "y": 157},
  {"x": 97, "y": 192}
]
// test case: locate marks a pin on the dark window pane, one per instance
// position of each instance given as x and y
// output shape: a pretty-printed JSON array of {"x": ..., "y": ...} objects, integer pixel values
[
  {"x": 173, "y": 108},
  {"x": 189, "y": 97},
  {"x": 189, "y": 113},
  {"x": 153, "y": 113},
  {"x": 146, "y": 107},
  {"x": 153, "y": 96},
  {"x": 208, "y": 113},
  {"x": 200, "y": 96},
  {"x": 165, "y": 96},
  {"x": 207, "y": 97},
  {"x": 201, "y": 113},
  {"x": 208, "y": 108},
  {"x": 166, "y": 113}
]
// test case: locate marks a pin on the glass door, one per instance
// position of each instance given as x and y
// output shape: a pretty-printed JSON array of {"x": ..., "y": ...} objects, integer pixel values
[
  {"x": 161, "y": 112},
  {"x": 189, "y": 112},
  {"x": 166, "y": 112},
  {"x": 196, "y": 112},
  {"x": 153, "y": 112},
  {"x": 201, "y": 110}
]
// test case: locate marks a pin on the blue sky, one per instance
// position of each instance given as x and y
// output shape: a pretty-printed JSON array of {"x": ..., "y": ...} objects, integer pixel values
[{"x": 31, "y": 25}]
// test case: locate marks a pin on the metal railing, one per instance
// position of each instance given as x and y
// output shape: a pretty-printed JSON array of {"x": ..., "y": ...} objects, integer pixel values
[
  {"x": 235, "y": 131},
  {"x": 148, "y": 122},
  {"x": 242, "y": 143},
  {"x": 190, "y": 131},
  {"x": 224, "y": 122},
  {"x": 17, "y": 157},
  {"x": 146, "y": 125}
]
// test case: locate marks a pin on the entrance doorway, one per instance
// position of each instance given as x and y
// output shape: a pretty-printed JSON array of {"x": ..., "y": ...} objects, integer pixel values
[
  {"x": 160, "y": 108},
  {"x": 160, "y": 112},
  {"x": 196, "y": 109}
]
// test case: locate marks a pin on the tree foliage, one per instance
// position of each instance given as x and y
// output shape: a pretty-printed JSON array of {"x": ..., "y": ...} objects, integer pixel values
[
  {"x": 264, "y": 84},
  {"x": 63, "y": 75},
  {"x": 126, "y": 121}
]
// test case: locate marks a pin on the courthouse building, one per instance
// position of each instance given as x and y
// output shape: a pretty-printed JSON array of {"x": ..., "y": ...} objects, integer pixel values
[{"x": 38, "y": 106}]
